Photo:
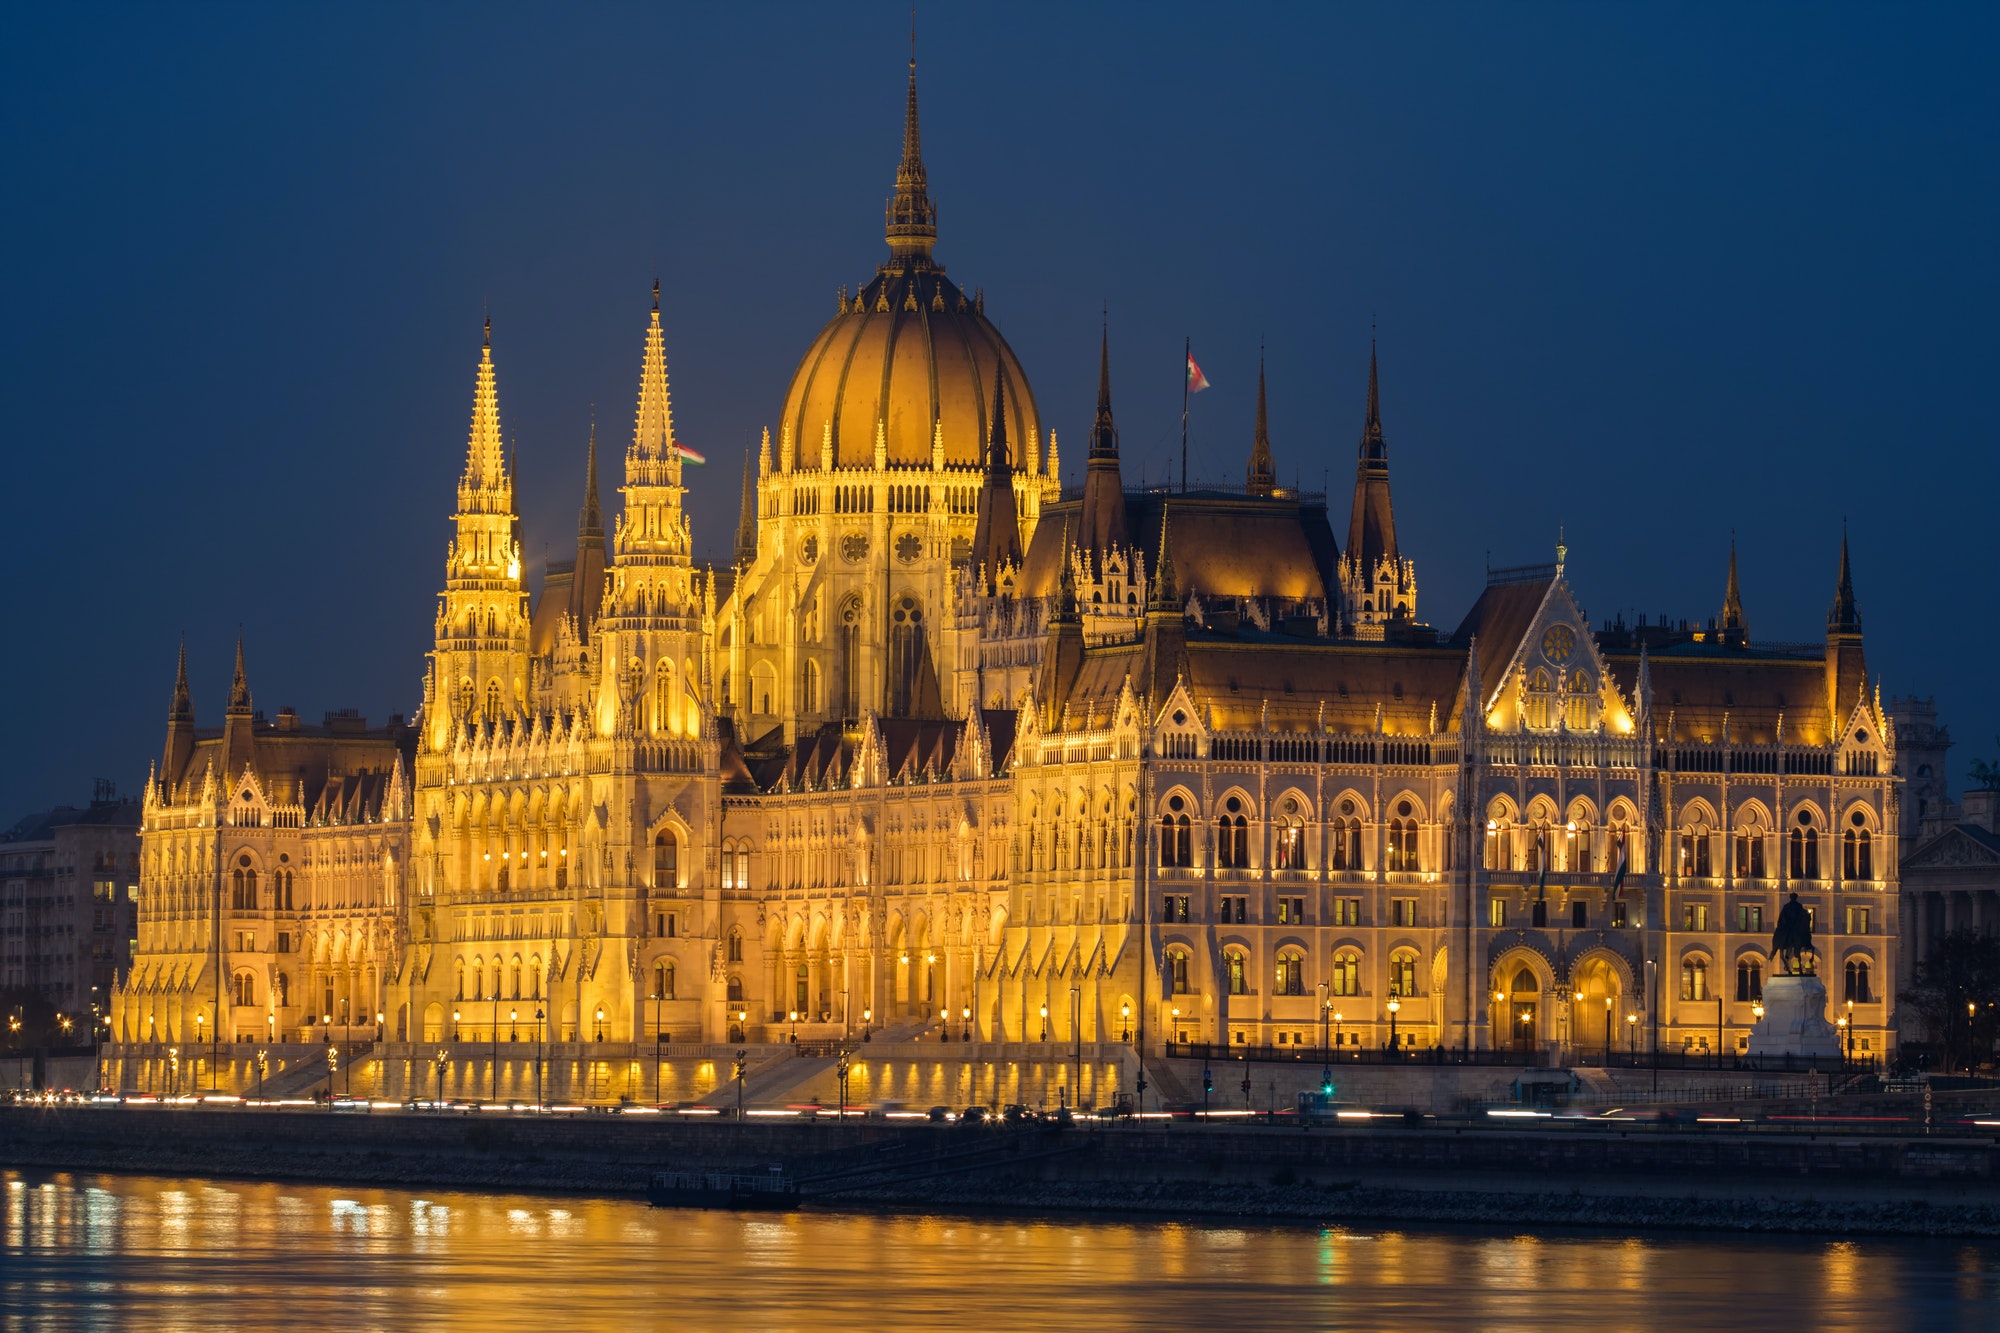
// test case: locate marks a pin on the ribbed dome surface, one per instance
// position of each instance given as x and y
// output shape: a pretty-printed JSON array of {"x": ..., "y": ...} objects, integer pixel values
[{"x": 930, "y": 358}]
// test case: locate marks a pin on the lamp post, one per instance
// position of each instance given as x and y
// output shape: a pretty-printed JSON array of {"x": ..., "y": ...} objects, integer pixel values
[
  {"x": 1125, "y": 1022},
  {"x": 600, "y": 1022},
  {"x": 1045, "y": 1020},
  {"x": 540, "y": 1014},
  {"x": 841, "y": 1068},
  {"x": 1325, "y": 1059},
  {"x": 1632, "y": 1036},
  {"x": 1607, "y": 1032},
  {"x": 656, "y": 1043},
  {"x": 263, "y": 1066},
  {"x": 454, "y": 1026},
  {"x": 1971, "y": 1008},
  {"x": 795, "y": 1026},
  {"x": 1394, "y": 1006},
  {"x": 1845, "y": 1041},
  {"x": 1076, "y": 1039},
  {"x": 198, "y": 1019},
  {"x": 742, "y": 1067},
  {"x": 1338, "y": 1019},
  {"x": 440, "y": 1060},
  {"x": 965, "y": 1013},
  {"x": 494, "y": 1080},
  {"x": 326, "y": 1039},
  {"x": 1576, "y": 1019}
]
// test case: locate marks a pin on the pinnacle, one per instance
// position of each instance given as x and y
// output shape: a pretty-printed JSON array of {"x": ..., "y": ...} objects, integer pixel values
[
  {"x": 485, "y": 460},
  {"x": 653, "y": 432}
]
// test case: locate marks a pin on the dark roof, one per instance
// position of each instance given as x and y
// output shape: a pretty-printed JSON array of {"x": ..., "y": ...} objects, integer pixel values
[{"x": 42, "y": 825}]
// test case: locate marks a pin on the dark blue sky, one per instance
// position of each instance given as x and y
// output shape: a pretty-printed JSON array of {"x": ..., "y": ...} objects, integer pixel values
[{"x": 1652, "y": 273}]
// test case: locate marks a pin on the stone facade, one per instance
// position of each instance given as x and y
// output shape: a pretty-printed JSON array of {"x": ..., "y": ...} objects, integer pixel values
[{"x": 69, "y": 888}]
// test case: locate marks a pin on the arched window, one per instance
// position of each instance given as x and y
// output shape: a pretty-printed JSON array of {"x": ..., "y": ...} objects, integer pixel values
[
  {"x": 663, "y": 980},
  {"x": 1857, "y": 859},
  {"x": 245, "y": 990},
  {"x": 284, "y": 989},
  {"x": 516, "y": 977},
  {"x": 1578, "y": 708},
  {"x": 1345, "y": 830},
  {"x": 535, "y": 978},
  {"x": 1749, "y": 981},
  {"x": 1498, "y": 836},
  {"x": 1695, "y": 843},
  {"x": 1750, "y": 853},
  {"x": 1804, "y": 848},
  {"x": 1346, "y": 976},
  {"x": 1236, "y": 970},
  {"x": 1403, "y": 838},
  {"x": 1176, "y": 835},
  {"x": 734, "y": 950},
  {"x": 1536, "y": 703},
  {"x": 763, "y": 689},
  {"x": 1289, "y": 844},
  {"x": 459, "y": 967},
  {"x": 810, "y": 687},
  {"x": 500, "y": 878},
  {"x": 1232, "y": 837},
  {"x": 1694, "y": 979},
  {"x": 1177, "y": 972},
  {"x": 666, "y": 860},
  {"x": 1291, "y": 973},
  {"x": 1403, "y": 975},
  {"x": 1859, "y": 991},
  {"x": 1538, "y": 847},
  {"x": 493, "y": 699}
]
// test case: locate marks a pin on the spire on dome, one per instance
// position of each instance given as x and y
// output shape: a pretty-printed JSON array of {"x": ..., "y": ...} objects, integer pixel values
[
  {"x": 1844, "y": 617},
  {"x": 1371, "y": 529},
  {"x": 1101, "y": 515},
  {"x": 1733, "y": 623},
  {"x": 1263, "y": 472},
  {"x": 182, "y": 708},
  {"x": 485, "y": 458},
  {"x": 239, "y": 685},
  {"x": 912, "y": 217},
  {"x": 653, "y": 434},
  {"x": 1373, "y": 447},
  {"x": 1104, "y": 435}
]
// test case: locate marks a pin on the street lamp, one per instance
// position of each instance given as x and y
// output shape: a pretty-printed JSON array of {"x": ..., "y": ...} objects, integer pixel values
[
  {"x": 1847, "y": 1042},
  {"x": 1632, "y": 1035},
  {"x": 742, "y": 1067},
  {"x": 454, "y": 1025},
  {"x": 1394, "y": 1005},
  {"x": 263, "y": 1065},
  {"x": 198, "y": 1019},
  {"x": 840, "y": 1068},
  {"x": 1576, "y": 1020},
  {"x": 795, "y": 1026},
  {"x": 1607, "y": 1032},
  {"x": 440, "y": 1060},
  {"x": 1045, "y": 1022},
  {"x": 1125, "y": 1019},
  {"x": 1076, "y": 1039},
  {"x": 657, "y": 997},
  {"x": 1325, "y": 1059},
  {"x": 539, "y": 1014},
  {"x": 965, "y": 1013},
  {"x": 1338, "y": 1018},
  {"x": 600, "y": 1022}
]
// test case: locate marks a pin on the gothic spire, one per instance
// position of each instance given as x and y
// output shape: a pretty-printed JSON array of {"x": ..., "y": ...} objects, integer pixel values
[
  {"x": 1371, "y": 529},
  {"x": 746, "y": 517},
  {"x": 1263, "y": 472},
  {"x": 1733, "y": 622},
  {"x": 182, "y": 708},
  {"x": 1373, "y": 447},
  {"x": 1164, "y": 593},
  {"x": 590, "y": 520},
  {"x": 239, "y": 685},
  {"x": 653, "y": 434},
  {"x": 1104, "y": 434},
  {"x": 1844, "y": 617},
  {"x": 912, "y": 217},
  {"x": 485, "y": 459},
  {"x": 996, "y": 538}
]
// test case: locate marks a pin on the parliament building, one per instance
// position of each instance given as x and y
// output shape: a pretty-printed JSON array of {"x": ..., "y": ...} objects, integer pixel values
[{"x": 953, "y": 749}]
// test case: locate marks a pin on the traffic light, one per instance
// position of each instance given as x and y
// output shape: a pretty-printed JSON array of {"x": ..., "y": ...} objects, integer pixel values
[{"x": 1207, "y": 1081}]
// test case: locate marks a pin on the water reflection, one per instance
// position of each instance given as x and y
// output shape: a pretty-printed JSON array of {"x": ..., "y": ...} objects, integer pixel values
[{"x": 104, "y": 1251}]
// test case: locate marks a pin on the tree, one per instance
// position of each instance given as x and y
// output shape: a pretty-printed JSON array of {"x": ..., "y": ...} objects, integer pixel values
[
  {"x": 1985, "y": 775},
  {"x": 1963, "y": 969},
  {"x": 40, "y": 1025}
]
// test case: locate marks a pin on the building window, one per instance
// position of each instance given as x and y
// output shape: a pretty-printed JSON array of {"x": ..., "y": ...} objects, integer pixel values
[
  {"x": 1749, "y": 917},
  {"x": 1618, "y": 915},
  {"x": 1858, "y": 989},
  {"x": 1579, "y": 914},
  {"x": 1857, "y": 852},
  {"x": 1346, "y": 835},
  {"x": 1403, "y": 840},
  {"x": 1291, "y": 974},
  {"x": 1176, "y": 841},
  {"x": 1346, "y": 976},
  {"x": 1236, "y": 968},
  {"x": 1750, "y": 854},
  {"x": 734, "y": 953},
  {"x": 246, "y": 988},
  {"x": 1177, "y": 972},
  {"x": 1174, "y": 907},
  {"x": 1232, "y": 841},
  {"x": 1694, "y": 916},
  {"x": 1403, "y": 912},
  {"x": 666, "y": 860},
  {"x": 1804, "y": 848},
  {"x": 1346, "y": 911},
  {"x": 1290, "y": 850},
  {"x": 1235, "y": 911},
  {"x": 1496, "y": 913},
  {"x": 1749, "y": 981},
  {"x": 1403, "y": 975},
  {"x": 1694, "y": 979},
  {"x": 663, "y": 980},
  {"x": 1695, "y": 845}
]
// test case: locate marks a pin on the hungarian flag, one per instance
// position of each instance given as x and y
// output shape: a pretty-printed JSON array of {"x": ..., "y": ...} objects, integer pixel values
[
  {"x": 1618, "y": 882},
  {"x": 1542, "y": 857},
  {"x": 688, "y": 453},
  {"x": 1196, "y": 381}
]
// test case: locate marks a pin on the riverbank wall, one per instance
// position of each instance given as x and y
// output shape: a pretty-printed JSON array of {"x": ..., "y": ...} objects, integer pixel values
[{"x": 1947, "y": 1184}]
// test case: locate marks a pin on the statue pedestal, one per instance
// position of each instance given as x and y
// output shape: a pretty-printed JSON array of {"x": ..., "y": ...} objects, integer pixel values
[{"x": 1794, "y": 1021}]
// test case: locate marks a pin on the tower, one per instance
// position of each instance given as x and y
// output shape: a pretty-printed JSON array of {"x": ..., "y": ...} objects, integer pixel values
[
  {"x": 1734, "y": 628},
  {"x": 479, "y": 665},
  {"x": 1101, "y": 522},
  {"x": 1262, "y": 475},
  {"x": 1377, "y": 583},
  {"x": 1846, "y": 664}
]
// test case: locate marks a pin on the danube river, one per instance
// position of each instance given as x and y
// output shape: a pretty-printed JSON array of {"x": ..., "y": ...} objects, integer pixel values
[{"x": 83, "y": 1251}]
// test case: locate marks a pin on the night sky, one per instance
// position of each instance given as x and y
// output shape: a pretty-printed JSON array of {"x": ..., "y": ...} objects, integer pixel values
[{"x": 1653, "y": 274}]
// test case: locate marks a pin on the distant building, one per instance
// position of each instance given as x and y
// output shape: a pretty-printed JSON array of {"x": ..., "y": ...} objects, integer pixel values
[
  {"x": 1951, "y": 860},
  {"x": 69, "y": 893}
]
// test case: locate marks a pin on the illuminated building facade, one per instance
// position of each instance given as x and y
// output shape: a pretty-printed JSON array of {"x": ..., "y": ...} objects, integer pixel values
[{"x": 952, "y": 748}]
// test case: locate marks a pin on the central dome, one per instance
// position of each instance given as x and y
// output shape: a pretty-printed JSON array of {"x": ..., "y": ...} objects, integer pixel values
[{"x": 911, "y": 356}]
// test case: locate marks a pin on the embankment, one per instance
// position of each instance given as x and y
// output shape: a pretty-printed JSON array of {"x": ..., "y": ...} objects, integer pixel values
[{"x": 1602, "y": 1177}]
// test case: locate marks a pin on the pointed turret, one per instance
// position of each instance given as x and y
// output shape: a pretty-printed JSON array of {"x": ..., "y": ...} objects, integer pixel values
[
  {"x": 746, "y": 517},
  {"x": 1846, "y": 664},
  {"x": 586, "y": 586},
  {"x": 180, "y": 726},
  {"x": 1371, "y": 530},
  {"x": 239, "y": 686},
  {"x": 653, "y": 434},
  {"x": 1062, "y": 655},
  {"x": 485, "y": 456},
  {"x": 1262, "y": 476},
  {"x": 1735, "y": 629},
  {"x": 1101, "y": 520},
  {"x": 911, "y": 216},
  {"x": 996, "y": 538},
  {"x": 1163, "y": 659}
]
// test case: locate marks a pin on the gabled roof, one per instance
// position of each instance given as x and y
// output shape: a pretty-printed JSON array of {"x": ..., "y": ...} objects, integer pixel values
[{"x": 1959, "y": 845}]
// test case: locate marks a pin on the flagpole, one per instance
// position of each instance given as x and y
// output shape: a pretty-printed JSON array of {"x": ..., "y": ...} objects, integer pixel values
[{"x": 1187, "y": 357}]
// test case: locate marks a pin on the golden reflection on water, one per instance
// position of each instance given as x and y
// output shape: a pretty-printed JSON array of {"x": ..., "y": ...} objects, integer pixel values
[{"x": 109, "y": 1251}]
